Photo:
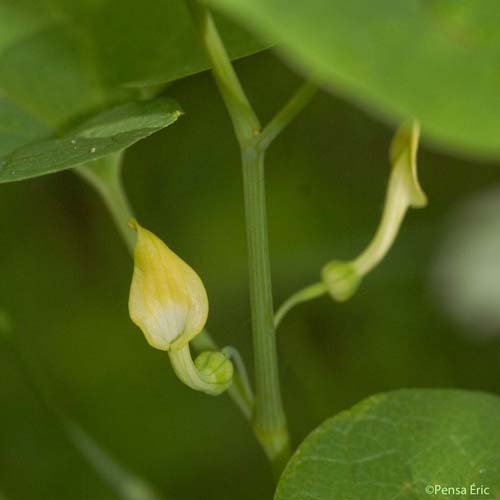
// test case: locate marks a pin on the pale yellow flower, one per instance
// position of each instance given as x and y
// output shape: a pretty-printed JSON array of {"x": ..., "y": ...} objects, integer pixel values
[
  {"x": 168, "y": 301},
  {"x": 342, "y": 278}
]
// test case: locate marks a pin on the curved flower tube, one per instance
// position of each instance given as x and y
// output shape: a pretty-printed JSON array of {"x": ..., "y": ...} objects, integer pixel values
[
  {"x": 342, "y": 278},
  {"x": 211, "y": 372}
]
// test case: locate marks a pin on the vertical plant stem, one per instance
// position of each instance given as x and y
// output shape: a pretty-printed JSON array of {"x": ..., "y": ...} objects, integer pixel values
[
  {"x": 245, "y": 122},
  {"x": 269, "y": 420}
]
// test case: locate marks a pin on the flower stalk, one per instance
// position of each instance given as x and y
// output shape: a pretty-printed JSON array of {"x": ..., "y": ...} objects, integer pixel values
[{"x": 105, "y": 176}]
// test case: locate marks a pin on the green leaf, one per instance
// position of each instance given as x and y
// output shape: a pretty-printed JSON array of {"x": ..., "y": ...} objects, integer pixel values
[
  {"x": 62, "y": 58},
  {"x": 395, "y": 445},
  {"x": 109, "y": 132},
  {"x": 17, "y": 126},
  {"x": 433, "y": 60}
]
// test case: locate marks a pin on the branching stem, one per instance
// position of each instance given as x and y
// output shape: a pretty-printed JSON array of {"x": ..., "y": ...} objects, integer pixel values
[
  {"x": 304, "y": 295},
  {"x": 269, "y": 420}
]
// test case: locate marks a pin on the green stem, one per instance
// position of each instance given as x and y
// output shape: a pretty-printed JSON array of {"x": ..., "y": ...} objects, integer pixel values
[
  {"x": 105, "y": 177},
  {"x": 127, "y": 485},
  {"x": 290, "y": 110},
  {"x": 240, "y": 390},
  {"x": 245, "y": 122},
  {"x": 304, "y": 295},
  {"x": 269, "y": 417},
  {"x": 246, "y": 387}
]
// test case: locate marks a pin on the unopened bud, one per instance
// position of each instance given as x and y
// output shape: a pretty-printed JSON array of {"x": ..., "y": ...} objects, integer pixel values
[
  {"x": 341, "y": 279},
  {"x": 168, "y": 301}
]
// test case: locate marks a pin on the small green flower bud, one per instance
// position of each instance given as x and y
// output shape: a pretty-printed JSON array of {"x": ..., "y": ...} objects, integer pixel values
[
  {"x": 341, "y": 279},
  {"x": 214, "y": 367},
  {"x": 211, "y": 373}
]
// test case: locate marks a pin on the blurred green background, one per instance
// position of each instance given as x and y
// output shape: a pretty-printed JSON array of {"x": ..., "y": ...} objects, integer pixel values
[{"x": 65, "y": 275}]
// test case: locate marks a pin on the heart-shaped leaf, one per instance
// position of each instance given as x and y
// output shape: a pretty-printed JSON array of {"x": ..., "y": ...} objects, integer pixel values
[{"x": 405, "y": 445}]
